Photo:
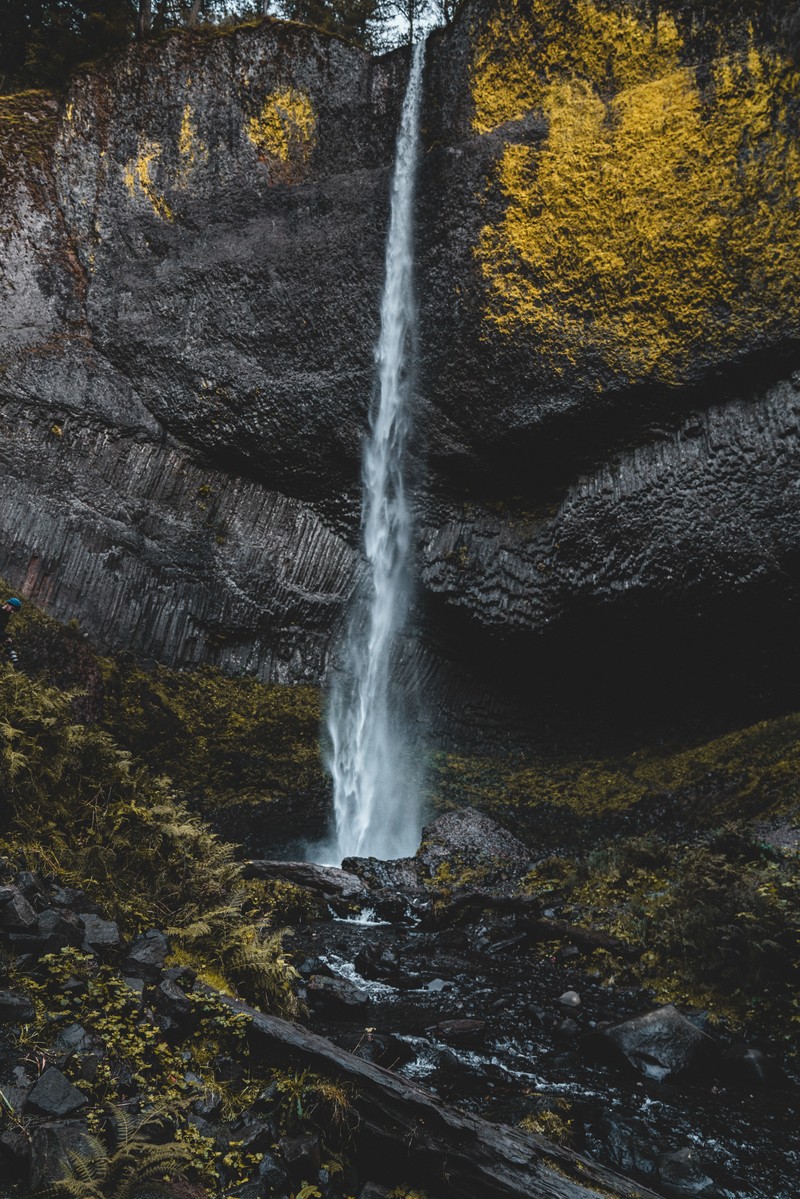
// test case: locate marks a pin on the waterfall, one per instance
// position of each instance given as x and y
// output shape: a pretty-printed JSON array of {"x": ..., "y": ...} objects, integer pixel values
[{"x": 376, "y": 783}]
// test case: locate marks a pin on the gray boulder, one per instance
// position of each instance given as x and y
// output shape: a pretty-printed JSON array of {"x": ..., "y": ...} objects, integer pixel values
[
  {"x": 54, "y": 1095},
  {"x": 471, "y": 838},
  {"x": 660, "y": 1044}
]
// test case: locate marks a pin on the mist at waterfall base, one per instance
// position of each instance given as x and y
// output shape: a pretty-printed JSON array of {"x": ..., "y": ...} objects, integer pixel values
[{"x": 377, "y": 778}]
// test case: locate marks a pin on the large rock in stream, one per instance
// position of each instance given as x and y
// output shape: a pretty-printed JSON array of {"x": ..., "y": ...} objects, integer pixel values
[{"x": 660, "y": 1044}]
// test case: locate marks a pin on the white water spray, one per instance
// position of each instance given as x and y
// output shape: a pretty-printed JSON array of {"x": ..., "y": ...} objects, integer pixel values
[{"x": 376, "y": 785}]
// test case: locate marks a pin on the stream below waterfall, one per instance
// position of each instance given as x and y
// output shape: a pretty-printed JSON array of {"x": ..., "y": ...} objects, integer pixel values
[{"x": 483, "y": 1019}]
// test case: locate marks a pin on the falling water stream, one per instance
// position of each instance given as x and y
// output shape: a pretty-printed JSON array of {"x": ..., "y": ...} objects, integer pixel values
[{"x": 376, "y": 786}]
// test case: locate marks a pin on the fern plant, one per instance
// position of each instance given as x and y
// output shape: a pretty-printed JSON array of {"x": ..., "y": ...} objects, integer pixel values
[{"x": 123, "y": 1163}]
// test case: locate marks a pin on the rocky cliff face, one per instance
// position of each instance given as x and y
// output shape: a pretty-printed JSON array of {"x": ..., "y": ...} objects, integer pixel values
[{"x": 607, "y": 424}]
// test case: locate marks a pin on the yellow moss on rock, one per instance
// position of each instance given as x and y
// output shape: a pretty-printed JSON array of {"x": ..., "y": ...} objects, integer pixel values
[
  {"x": 192, "y": 150},
  {"x": 284, "y": 133},
  {"x": 660, "y": 216},
  {"x": 526, "y": 46},
  {"x": 139, "y": 175}
]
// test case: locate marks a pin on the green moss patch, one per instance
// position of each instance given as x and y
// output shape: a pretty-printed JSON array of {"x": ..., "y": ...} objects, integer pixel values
[
  {"x": 748, "y": 773},
  {"x": 717, "y": 922},
  {"x": 230, "y": 745}
]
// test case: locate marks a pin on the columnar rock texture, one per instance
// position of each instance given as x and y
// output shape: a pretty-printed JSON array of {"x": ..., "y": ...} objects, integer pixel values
[{"x": 607, "y": 427}]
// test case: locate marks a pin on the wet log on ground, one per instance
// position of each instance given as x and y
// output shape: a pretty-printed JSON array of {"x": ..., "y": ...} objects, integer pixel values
[
  {"x": 327, "y": 881},
  {"x": 527, "y": 909},
  {"x": 584, "y": 938},
  {"x": 403, "y": 1132}
]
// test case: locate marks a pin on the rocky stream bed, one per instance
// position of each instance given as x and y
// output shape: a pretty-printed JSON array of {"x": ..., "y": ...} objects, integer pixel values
[
  {"x": 502, "y": 1011},
  {"x": 473, "y": 1039}
]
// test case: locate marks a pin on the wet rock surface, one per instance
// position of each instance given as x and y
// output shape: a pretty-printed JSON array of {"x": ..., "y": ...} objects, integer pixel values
[{"x": 187, "y": 361}]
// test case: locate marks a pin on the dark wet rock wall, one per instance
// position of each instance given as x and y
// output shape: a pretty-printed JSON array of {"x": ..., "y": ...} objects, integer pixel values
[{"x": 191, "y": 263}]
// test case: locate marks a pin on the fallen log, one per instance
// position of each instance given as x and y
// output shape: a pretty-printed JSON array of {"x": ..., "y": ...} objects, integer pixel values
[
  {"x": 585, "y": 938},
  {"x": 526, "y": 909},
  {"x": 329, "y": 882},
  {"x": 404, "y": 1133}
]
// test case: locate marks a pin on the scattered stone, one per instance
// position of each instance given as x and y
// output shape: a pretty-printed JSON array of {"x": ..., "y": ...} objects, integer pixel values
[
  {"x": 73, "y": 1039},
  {"x": 271, "y": 1172},
  {"x": 209, "y": 1104},
  {"x": 568, "y": 953},
  {"x": 302, "y": 1155},
  {"x": 15, "y": 911},
  {"x": 567, "y": 1029},
  {"x": 746, "y": 1066},
  {"x": 254, "y": 1133},
  {"x": 54, "y": 1095},
  {"x": 135, "y": 986},
  {"x": 30, "y": 884},
  {"x": 376, "y": 963},
  {"x": 66, "y": 897},
  {"x": 15, "y": 1149},
  {"x": 439, "y": 984},
  {"x": 687, "y": 1173},
  {"x": 335, "y": 995},
  {"x": 458, "y": 1032},
  {"x": 184, "y": 976},
  {"x": 15, "y": 1009},
  {"x": 14, "y": 1096},
  {"x": 99, "y": 935},
  {"x": 373, "y": 1190},
  {"x": 629, "y": 1145},
  {"x": 171, "y": 1001},
  {"x": 570, "y": 999},
  {"x": 54, "y": 931},
  {"x": 660, "y": 1044},
  {"x": 147, "y": 955}
]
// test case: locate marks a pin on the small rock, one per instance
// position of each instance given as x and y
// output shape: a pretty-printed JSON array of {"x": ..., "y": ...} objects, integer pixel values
[
  {"x": 302, "y": 1154},
  {"x": 568, "y": 953},
  {"x": 99, "y": 935},
  {"x": 458, "y": 1032},
  {"x": 56, "y": 932},
  {"x": 171, "y": 1001},
  {"x": 15, "y": 911},
  {"x": 73, "y": 1039},
  {"x": 184, "y": 976},
  {"x": 30, "y": 884},
  {"x": 570, "y": 999},
  {"x": 255, "y": 1134},
  {"x": 373, "y": 1190},
  {"x": 271, "y": 1172},
  {"x": 147, "y": 955},
  {"x": 567, "y": 1029},
  {"x": 15, "y": 1149},
  {"x": 54, "y": 1095},
  {"x": 439, "y": 984},
  {"x": 208, "y": 1105},
  {"x": 15, "y": 1009},
  {"x": 335, "y": 995},
  {"x": 687, "y": 1173},
  {"x": 135, "y": 985}
]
